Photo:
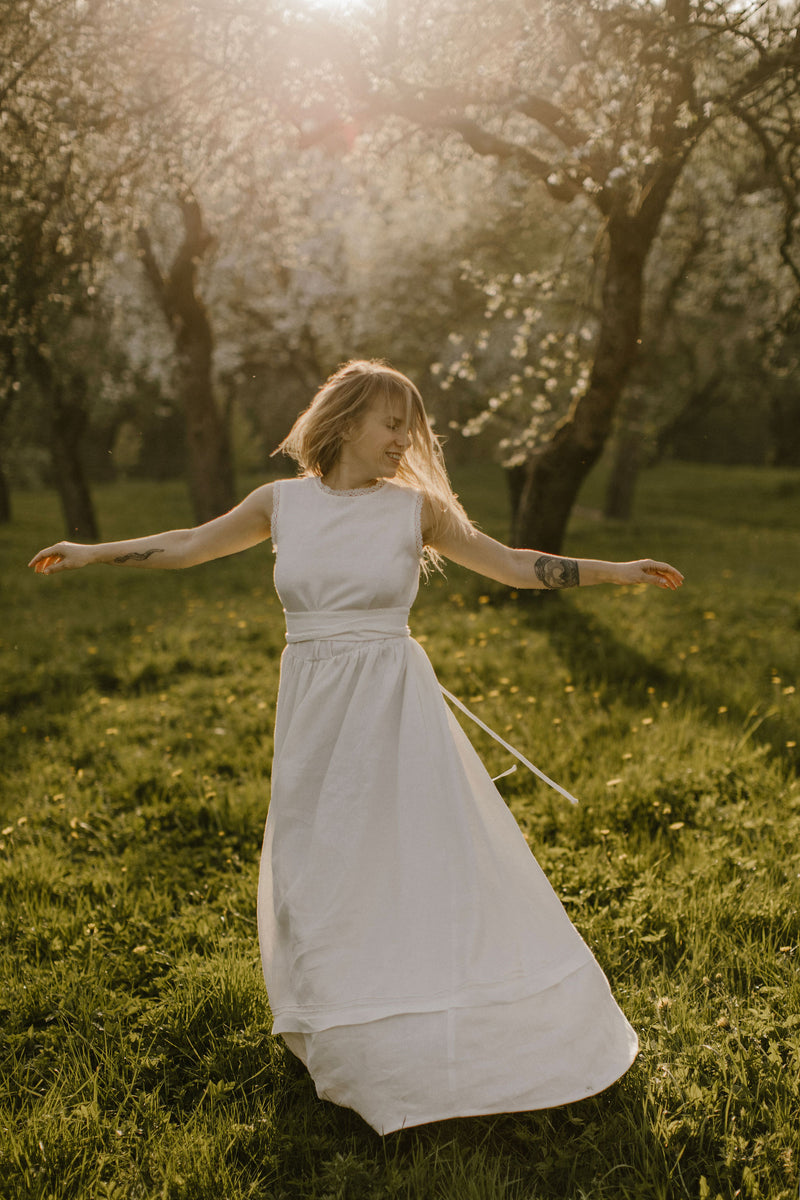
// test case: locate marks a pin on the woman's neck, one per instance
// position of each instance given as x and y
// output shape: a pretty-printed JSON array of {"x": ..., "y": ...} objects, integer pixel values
[{"x": 345, "y": 478}]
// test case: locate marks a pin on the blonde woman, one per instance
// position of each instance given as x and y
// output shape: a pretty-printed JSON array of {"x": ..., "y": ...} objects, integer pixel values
[{"x": 415, "y": 956}]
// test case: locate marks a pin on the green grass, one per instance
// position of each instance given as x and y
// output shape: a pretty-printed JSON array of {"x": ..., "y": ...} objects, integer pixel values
[{"x": 135, "y": 743}]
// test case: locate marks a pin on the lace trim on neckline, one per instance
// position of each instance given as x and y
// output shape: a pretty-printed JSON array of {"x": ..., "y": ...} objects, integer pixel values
[{"x": 362, "y": 491}]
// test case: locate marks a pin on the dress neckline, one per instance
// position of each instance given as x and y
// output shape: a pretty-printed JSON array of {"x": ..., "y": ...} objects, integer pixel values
[{"x": 362, "y": 491}]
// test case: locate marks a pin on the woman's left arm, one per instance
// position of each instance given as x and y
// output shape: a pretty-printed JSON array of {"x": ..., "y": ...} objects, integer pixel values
[{"x": 533, "y": 569}]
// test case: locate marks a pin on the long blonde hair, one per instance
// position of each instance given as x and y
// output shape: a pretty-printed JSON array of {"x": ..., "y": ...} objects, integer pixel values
[{"x": 315, "y": 440}]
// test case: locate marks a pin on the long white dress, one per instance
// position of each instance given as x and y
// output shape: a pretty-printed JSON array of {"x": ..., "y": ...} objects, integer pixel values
[{"x": 415, "y": 956}]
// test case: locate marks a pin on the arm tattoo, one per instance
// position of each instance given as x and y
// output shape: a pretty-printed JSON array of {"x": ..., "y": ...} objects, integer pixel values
[
  {"x": 137, "y": 556},
  {"x": 557, "y": 572}
]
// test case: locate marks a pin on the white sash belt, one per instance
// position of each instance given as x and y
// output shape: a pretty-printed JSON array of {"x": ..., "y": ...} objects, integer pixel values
[
  {"x": 377, "y": 624},
  {"x": 352, "y": 625}
]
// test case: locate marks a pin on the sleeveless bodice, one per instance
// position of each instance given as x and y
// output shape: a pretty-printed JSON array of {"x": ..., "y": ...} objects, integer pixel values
[{"x": 374, "y": 566}]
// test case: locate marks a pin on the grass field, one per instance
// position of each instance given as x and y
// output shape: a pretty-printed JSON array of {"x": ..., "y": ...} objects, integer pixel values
[{"x": 136, "y": 734}]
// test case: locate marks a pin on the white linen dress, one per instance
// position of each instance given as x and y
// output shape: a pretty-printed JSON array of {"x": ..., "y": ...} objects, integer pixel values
[{"x": 415, "y": 956}]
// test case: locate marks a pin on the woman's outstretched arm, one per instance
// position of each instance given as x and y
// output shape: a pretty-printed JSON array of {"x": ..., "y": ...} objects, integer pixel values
[
  {"x": 244, "y": 526},
  {"x": 533, "y": 569}
]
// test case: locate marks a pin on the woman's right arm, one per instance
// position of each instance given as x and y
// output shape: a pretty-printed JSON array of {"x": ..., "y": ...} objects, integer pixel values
[{"x": 245, "y": 525}]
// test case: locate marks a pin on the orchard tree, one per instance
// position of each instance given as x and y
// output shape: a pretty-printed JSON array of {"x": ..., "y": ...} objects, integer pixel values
[
  {"x": 52, "y": 218},
  {"x": 207, "y": 427},
  {"x": 107, "y": 110},
  {"x": 602, "y": 104}
]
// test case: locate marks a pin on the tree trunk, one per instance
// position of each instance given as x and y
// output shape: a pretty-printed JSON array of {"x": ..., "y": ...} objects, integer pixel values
[
  {"x": 6, "y": 404},
  {"x": 207, "y": 434},
  {"x": 556, "y": 470},
  {"x": 5, "y": 498},
  {"x": 628, "y": 454},
  {"x": 68, "y": 423},
  {"x": 68, "y": 428}
]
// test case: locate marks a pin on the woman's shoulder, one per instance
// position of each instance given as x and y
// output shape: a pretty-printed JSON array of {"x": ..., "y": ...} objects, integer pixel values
[{"x": 295, "y": 483}]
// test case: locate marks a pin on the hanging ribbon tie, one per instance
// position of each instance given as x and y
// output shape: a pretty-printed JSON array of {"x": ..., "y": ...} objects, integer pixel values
[{"x": 526, "y": 762}]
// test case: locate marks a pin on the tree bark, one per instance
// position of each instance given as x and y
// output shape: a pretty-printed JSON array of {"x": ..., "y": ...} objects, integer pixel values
[
  {"x": 210, "y": 467},
  {"x": 627, "y": 461},
  {"x": 66, "y": 402},
  {"x": 68, "y": 429},
  {"x": 5, "y": 498},
  {"x": 555, "y": 471}
]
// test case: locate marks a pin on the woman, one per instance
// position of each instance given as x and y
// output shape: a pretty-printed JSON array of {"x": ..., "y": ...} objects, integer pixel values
[{"x": 416, "y": 958}]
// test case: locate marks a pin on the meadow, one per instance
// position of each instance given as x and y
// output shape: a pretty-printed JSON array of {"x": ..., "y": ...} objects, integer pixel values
[{"x": 135, "y": 745}]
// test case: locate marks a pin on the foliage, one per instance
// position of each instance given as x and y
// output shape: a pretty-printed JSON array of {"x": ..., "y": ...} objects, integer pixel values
[{"x": 136, "y": 730}]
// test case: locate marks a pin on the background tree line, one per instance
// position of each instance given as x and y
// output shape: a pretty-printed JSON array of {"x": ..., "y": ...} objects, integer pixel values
[{"x": 573, "y": 222}]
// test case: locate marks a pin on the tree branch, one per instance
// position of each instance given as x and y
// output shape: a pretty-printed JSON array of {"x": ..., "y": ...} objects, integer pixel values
[
  {"x": 152, "y": 270},
  {"x": 784, "y": 182},
  {"x": 552, "y": 118}
]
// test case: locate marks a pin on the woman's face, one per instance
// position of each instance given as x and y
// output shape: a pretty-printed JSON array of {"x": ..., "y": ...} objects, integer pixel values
[{"x": 376, "y": 445}]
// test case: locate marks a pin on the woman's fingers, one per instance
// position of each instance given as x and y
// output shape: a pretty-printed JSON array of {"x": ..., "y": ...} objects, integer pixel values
[
  {"x": 662, "y": 574},
  {"x": 44, "y": 566},
  {"x": 45, "y": 560}
]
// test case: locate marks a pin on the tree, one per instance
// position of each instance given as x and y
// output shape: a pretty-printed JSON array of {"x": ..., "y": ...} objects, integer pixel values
[
  {"x": 207, "y": 429},
  {"x": 94, "y": 98},
  {"x": 60, "y": 175},
  {"x": 599, "y": 102}
]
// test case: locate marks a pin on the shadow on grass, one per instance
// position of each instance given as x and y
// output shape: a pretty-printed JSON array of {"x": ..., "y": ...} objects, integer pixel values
[
  {"x": 600, "y": 660},
  {"x": 604, "y": 1147}
]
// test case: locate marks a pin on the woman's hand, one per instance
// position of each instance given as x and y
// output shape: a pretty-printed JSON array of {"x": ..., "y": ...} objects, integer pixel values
[
  {"x": 646, "y": 570},
  {"x": 63, "y": 556}
]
